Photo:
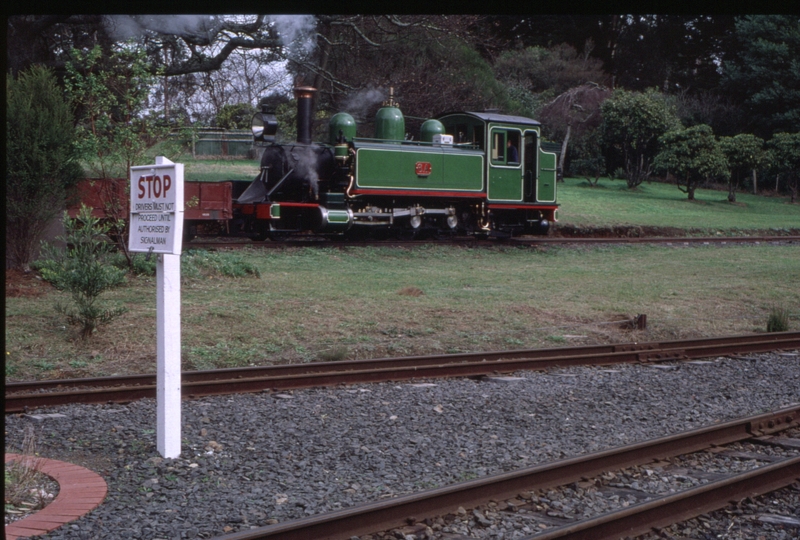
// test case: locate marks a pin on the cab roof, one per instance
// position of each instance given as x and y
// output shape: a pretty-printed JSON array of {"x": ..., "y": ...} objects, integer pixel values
[{"x": 495, "y": 117}]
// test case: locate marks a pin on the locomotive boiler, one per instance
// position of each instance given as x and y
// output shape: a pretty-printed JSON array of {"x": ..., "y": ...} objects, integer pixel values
[{"x": 475, "y": 173}]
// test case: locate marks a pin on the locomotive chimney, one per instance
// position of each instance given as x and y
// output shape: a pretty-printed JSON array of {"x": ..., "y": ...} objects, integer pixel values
[{"x": 305, "y": 100}]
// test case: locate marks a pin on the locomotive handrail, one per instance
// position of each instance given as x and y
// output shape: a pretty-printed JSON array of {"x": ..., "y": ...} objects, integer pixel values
[
  {"x": 279, "y": 184},
  {"x": 468, "y": 146}
]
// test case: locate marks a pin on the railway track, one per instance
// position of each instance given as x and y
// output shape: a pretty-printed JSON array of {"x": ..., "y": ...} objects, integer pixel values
[
  {"x": 475, "y": 242},
  {"x": 405, "y": 511},
  {"x": 22, "y": 396}
]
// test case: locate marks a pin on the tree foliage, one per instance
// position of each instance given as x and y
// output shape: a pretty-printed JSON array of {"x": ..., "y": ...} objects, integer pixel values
[
  {"x": 428, "y": 60},
  {"x": 574, "y": 116},
  {"x": 671, "y": 52},
  {"x": 183, "y": 44},
  {"x": 83, "y": 270},
  {"x": 763, "y": 73},
  {"x": 785, "y": 150},
  {"x": 693, "y": 155},
  {"x": 631, "y": 127},
  {"x": 41, "y": 159},
  {"x": 745, "y": 154},
  {"x": 555, "y": 69},
  {"x": 235, "y": 116},
  {"x": 110, "y": 95},
  {"x": 667, "y": 51}
]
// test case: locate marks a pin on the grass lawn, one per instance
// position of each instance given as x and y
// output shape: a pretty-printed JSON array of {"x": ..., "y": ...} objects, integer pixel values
[
  {"x": 663, "y": 205},
  {"x": 218, "y": 170},
  {"x": 609, "y": 203},
  {"x": 333, "y": 303},
  {"x": 197, "y": 170},
  {"x": 315, "y": 304}
]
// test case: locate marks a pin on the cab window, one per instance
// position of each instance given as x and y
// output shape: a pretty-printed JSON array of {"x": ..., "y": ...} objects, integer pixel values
[
  {"x": 505, "y": 147},
  {"x": 499, "y": 147}
]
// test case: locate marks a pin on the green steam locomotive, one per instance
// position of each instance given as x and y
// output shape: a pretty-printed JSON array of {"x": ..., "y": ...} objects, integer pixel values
[{"x": 469, "y": 173}]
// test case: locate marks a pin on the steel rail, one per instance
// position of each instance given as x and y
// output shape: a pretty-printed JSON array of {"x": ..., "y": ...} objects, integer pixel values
[
  {"x": 665, "y": 511},
  {"x": 655, "y": 240},
  {"x": 197, "y": 384},
  {"x": 377, "y": 363},
  {"x": 394, "y": 513}
]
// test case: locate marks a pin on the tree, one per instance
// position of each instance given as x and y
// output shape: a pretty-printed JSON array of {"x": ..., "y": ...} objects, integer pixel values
[
  {"x": 671, "y": 52},
  {"x": 745, "y": 154},
  {"x": 555, "y": 69},
  {"x": 576, "y": 113},
  {"x": 631, "y": 127},
  {"x": 667, "y": 51},
  {"x": 763, "y": 73},
  {"x": 709, "y": 107},
  {"x": 236, "y": 116},
  {"x": 429, "y": 60},
  {"x": 182, "y": 43},
  {"x": 181, "y": 49},
  {"x": 693, "y": 155},
  {"x": 41, "y": 159},
  {"x": 82, "y": 269},
  {"x": 110, "y": 96},
  {"x": 785, "y": 149},
  {"x": 244, "y": 78}
]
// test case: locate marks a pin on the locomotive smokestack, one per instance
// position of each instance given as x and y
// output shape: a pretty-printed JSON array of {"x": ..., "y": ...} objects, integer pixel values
[{"x": 305, "y": 100}]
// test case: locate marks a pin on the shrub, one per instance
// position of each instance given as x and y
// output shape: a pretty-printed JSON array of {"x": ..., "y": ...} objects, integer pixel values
[
  {"x": 23, "y": 478},
  {"x": 778, "y": 320},
  {"x": 83, "y": 269},
  {"x": 139, "y": 264},
  {"x": 41, "y": 160}
]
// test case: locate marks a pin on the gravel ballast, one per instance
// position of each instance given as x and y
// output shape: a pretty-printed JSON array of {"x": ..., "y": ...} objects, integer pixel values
[{"x": 258, "y": 459}]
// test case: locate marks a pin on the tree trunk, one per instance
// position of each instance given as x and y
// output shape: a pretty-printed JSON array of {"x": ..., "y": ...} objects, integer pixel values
[
  {"x": 755, "y": 183},
  {"x": 564, "y": 151}
]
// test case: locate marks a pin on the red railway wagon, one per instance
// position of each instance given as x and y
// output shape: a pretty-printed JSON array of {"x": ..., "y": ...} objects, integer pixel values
[{"x": 204, "y": 202}]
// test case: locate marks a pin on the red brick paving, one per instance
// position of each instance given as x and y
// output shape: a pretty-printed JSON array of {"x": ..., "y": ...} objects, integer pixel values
[{"x": 80, "y": 492}]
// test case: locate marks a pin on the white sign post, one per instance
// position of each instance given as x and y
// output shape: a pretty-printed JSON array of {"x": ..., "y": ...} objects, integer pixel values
[{"x": 156, "y": 226}]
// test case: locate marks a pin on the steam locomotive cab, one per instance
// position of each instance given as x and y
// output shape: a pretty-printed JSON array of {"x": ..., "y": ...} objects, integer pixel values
[{"x": 472, "y": 173}]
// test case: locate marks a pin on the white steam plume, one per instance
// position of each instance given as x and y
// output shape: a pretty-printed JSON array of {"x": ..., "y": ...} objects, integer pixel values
[
  {"x": 360, "y": 103},
  {"x": 297, "y": 32}
]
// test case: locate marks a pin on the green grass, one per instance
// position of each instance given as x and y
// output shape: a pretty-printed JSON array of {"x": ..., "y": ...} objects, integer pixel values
[
  {"x": 218, "y": 170},
  {"x": 312, "y": 304},
  {"x": 205, "y": 170},
  {"x": 663, "y": 205},
  {"x": 195, "y": 169},
  {"x": 609, "y": 203},
  {"x": 302, "y": 305}
]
